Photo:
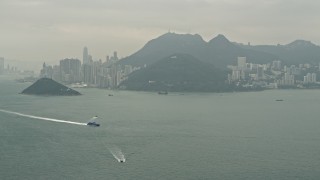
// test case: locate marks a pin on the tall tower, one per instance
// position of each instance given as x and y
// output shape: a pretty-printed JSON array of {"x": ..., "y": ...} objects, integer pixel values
[
  {"x": 115, "y": 55},
  {"x": 85, "y": 55}
]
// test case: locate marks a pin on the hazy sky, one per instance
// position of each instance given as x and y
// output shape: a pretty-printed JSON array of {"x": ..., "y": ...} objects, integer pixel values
[{"x": 49, "y": 30}]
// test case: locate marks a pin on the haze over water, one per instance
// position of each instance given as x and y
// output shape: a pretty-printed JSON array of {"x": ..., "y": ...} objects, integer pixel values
[{"x": 175, "y": 136}]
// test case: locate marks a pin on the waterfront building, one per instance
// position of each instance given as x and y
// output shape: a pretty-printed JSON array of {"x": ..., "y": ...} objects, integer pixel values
[
  {"x": 87, "y": 74},
  {"x": 56, "y": 73},
  {"x": 242, "y": 63},
  {"x": 260, "y": 73},
  {"x": 70, "y": 70},
  {"x": 310, "y": 78},
  {"x": 46, "y": 71},
  {"x": 236, "y": 75},
  {"x": 314, "y": 77}
]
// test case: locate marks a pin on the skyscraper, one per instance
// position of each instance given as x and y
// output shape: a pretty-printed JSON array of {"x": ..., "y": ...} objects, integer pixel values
[
  {"x": 242, "y": 62},
  {"x": 260, "y": 73},
  {"x": 108, "y": 59},
  {"x": 70, "y": 70},
  {"x": 115, "y": 55},
  {"x": 85, "y": 59}
]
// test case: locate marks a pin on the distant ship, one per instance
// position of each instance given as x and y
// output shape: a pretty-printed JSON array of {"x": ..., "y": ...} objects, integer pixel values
[
  {"x": 279, "y": 99},
  {"x": 163, "y": 92},
  {"x": 78, "y": 85},
  {"x": 92, "y": 122}
]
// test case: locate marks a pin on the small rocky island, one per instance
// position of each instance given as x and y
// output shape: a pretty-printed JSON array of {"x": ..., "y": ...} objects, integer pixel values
[{"x": 49, "y": 87}]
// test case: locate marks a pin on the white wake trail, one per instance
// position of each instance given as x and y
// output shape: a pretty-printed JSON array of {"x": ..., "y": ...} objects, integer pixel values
[
  {"x": 42, "y": 118},
  {"x": 117, "y": 154}
]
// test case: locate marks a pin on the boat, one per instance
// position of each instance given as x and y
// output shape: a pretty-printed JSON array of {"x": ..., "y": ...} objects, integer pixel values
[
  {"x": 279, "y": 99},
  {"x": 92, "y": 122},
  {"x": 163, "y": 92}
]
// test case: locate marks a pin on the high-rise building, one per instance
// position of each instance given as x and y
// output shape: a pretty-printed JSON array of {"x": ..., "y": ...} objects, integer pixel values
[
  {"x": 113, "y": 75},
  {"x": 90, "y": 58},
  {"x": 310, "y": 78},
  {"x": 107, "y": 59},
  {"x": 70, "y": 70},
  {"x": 44, "y": 72},
  {"x": 260, "y": 73},
  {"x": 1, "y": 65},
  {"x": 314, "y": 77},
  {"x": 115, "y": 55},
  {"x": 276, "y": 65},
  {"x": 288, "y": 79},
  {"x": 236, "y": 75},
  {"x": 242, "y": 62},
  {"x": 87, "y": 72},
  {"x": 85, "y": 59}
]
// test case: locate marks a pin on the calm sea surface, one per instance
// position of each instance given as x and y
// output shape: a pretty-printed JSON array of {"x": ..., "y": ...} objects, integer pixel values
[{"x": 176, "y": 136}]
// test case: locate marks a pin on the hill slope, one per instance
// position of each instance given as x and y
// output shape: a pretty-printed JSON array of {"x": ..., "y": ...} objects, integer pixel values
[
  {"x": 164, "y": 46},
  {"x": 297, "y": 52},
  {"x": 178, "y": 72}
]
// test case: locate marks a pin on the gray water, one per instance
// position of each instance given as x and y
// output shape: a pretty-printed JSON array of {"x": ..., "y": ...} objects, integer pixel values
[{"x": 175, "y": 136}]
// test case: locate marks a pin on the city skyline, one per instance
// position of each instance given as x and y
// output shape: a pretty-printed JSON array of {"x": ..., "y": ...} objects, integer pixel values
[{"x": 35, "y": 31}]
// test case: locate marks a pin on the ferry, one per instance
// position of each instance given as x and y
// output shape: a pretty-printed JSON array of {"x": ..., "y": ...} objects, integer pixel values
[{"x": 92, "y": 122}]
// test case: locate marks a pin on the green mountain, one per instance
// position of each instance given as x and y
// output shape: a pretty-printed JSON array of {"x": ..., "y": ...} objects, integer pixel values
[
  {"x": 297, "y": 52},
  {"x": 219, "y": 51},
  {"x": 46, "y": 86},
  {"x": 178, "y": 72},
  {"x": 166, "y": 45},
  {"x": 223, "y": 52}
]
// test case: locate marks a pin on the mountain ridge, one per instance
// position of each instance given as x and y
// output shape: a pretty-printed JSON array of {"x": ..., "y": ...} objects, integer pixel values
[{"x": 220, "y": 51}]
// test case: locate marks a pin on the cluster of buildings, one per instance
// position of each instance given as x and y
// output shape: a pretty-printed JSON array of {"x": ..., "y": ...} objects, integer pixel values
[
  {"x": 12, "y": 69},
  {"x": 107, "y": 74},
  {"x": 273, "y": 75}
]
